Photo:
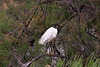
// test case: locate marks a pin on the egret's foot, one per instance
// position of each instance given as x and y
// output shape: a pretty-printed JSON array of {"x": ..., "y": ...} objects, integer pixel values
[
  {"x": 47, "y": 53},
  {"x": 51, "y": 53}
]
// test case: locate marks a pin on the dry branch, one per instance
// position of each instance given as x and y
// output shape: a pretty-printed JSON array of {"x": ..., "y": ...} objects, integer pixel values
[
  {"x": 15, "y": 56},
  {"x": 28, "y": 21},
  {"x": 40, "y": 56},
  {"x": 93, "y": 36},
  {"x": 34, "y": 59}
]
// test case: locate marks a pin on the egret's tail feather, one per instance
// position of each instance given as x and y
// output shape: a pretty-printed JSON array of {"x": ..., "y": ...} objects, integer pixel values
[{"x": 41, "y": 42}]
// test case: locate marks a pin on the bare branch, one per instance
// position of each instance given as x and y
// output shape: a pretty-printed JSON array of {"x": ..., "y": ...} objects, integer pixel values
[
  {"x": 93, "y": 36},
  {"x": 28, "y": 21},
  {"x": 67, "y": 21},
  {"x": 15, "y": 56},
  {"x": 34, "y": 59}
]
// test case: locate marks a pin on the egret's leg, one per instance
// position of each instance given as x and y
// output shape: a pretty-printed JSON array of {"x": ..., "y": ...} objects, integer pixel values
[
  {"x": 50, "y": 45},
  {"x": 46, "y": 45},
  {"x": 54, "y": 46},
  {"x": 48, "y": 49},
  {"x": 55, "y": 49},
  {"x": 52, "y": 49}
]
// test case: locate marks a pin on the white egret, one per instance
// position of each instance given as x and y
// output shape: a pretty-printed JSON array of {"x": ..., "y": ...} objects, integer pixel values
[{"x": 49, "y": 35}]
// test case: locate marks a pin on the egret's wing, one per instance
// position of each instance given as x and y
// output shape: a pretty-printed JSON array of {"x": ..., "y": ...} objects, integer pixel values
[{"x": 46, "y": 36}]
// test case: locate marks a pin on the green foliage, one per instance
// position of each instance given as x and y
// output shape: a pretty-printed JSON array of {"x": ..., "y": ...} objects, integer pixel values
[
  {"x": 70, "y": 51},
  {"x": 3, "y": 61},
  {"x": 60, "y": 63},
  {"x": 4, "y": 22},
  {"x": 41, "y": 62},
  {"x": 73, "y": 34},
  {"x": 76, "y": 63},
  {"x": 91, "y": 61}
]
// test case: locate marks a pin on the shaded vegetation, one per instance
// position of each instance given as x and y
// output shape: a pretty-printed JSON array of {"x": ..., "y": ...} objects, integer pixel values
[{"x": 22, "y": 22}]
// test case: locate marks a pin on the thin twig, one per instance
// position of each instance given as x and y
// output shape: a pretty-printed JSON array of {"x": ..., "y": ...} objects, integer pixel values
[
  {"x": 67, "y": 21},
  {"x": 28, "y": 21},
  {"x": 24, "y": 18},
  {"x": 34, "y": 59},
  {"x": 15, "y": 56},
  {"x": 93, "y": 36}
]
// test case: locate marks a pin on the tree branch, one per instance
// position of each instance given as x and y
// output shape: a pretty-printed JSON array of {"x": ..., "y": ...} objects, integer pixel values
[
  {"x": 93, "y": 36},
  {"x": 34, "y": 59},
  {"x": 67, "y": 22},
  {"x": 15, "y": 56},
  {"x": 28, "y": 21}
]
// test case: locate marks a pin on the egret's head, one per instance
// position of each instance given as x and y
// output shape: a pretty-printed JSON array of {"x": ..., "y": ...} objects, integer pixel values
[{"x": 57, "y": 26}]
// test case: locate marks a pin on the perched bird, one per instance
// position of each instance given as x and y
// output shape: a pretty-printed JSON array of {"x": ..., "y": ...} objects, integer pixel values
[{"x": 49, "y": 35}]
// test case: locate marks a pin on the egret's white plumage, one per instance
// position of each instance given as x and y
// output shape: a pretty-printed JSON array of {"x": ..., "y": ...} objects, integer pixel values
[{"x": 48, "y": 36}]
